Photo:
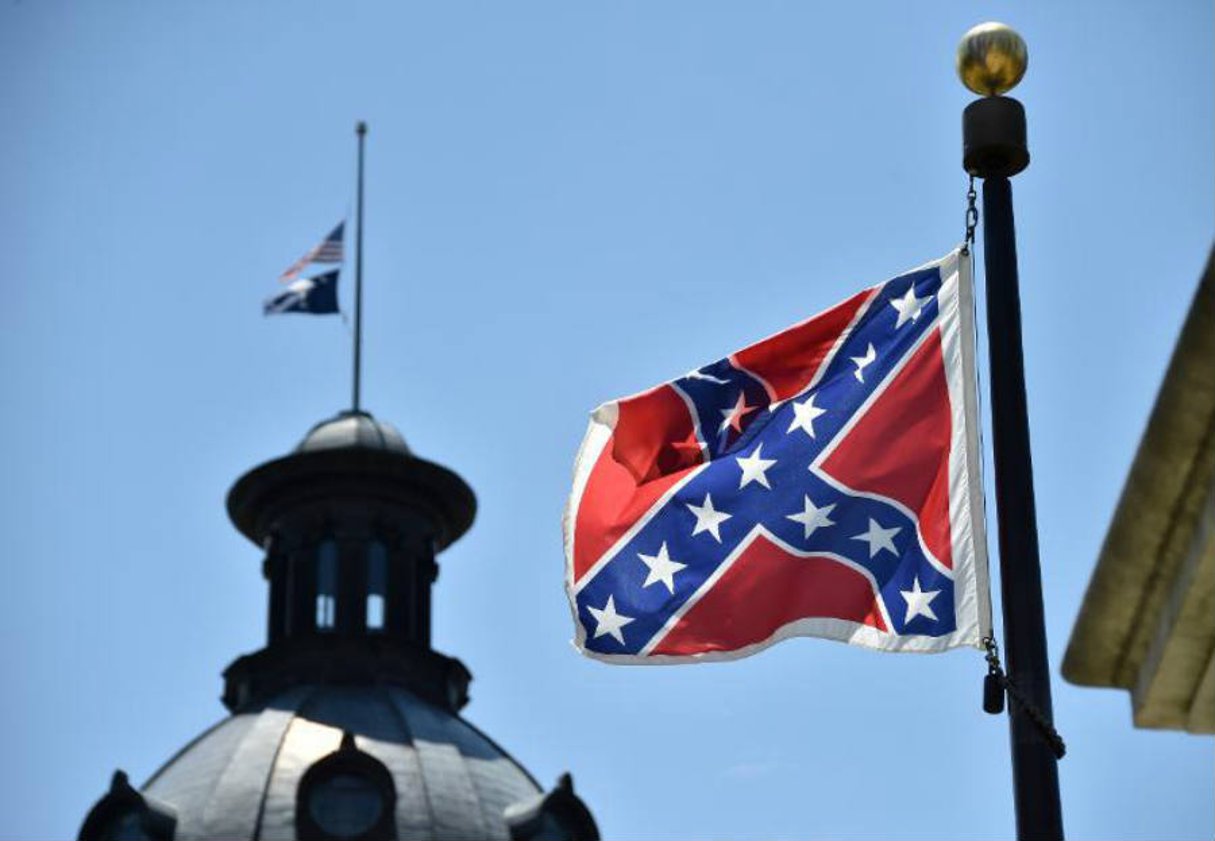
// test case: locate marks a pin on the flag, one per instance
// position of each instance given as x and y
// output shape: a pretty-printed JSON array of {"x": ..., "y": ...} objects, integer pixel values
[
  {"x": 328, "y": 250},
  {"x": 823, "y": 482},
  {"x": 316, "y": 295}
]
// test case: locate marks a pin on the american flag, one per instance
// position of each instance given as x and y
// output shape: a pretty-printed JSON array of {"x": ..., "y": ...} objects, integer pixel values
[
  {"x": 329, "y": 250},
  {"x": 822, "y": 482}
]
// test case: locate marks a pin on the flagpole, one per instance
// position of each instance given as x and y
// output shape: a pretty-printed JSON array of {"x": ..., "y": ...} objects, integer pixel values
[
  {"x": 991, "y": 60},
  {"x": 361, "y": 130}
]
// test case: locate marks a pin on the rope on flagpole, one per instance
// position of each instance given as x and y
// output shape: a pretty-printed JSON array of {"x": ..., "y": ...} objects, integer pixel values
[{"x": 998, "y": 682}]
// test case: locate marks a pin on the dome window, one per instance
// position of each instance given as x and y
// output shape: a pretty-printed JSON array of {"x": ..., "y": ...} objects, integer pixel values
[
  {"x": 346, "y": 796},
  {"x": 326, "y": 584},
  {"x": 377, "y": 584},
  {"x": 124, "y": 814}
]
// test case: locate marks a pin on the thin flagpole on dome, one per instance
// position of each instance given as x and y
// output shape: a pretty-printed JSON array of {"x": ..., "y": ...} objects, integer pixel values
[{"x": 361, "y": 130}]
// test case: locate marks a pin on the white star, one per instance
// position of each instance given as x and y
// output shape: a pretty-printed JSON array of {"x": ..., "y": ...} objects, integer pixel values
[
  {"x": 879, "y": 538},
  {"x": 909, "y": 306},
  {"x": 918, "y": 601},
  {"x": 863, "y": 362},
  {"x": 813, "y": 517},
  {"x": 608, "y": 621},
  {"x": 754, "y": 468},
  {"x": 662, "y": 568},
  {"x": 734, "y": 416},
  {"x": 708, "y": 519},
  {"x": 804, "y": 414}
]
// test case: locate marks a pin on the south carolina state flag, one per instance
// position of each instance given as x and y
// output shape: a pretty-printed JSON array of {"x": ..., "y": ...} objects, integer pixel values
[{"x": 823, "y": 482}]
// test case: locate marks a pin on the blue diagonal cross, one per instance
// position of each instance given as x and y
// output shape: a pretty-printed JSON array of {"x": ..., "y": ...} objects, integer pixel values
[{"x": 714, "y": 393}]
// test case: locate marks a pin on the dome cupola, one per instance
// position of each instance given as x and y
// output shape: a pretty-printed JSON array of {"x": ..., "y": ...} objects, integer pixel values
[
  {"x": 346, "y": 724},
  {"x": 350, "y": 523}
]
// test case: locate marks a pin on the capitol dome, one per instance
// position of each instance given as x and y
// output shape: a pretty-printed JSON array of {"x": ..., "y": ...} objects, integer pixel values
[
  {"x": 347, "y": 724},
  {"x": 428, "y": 772}
]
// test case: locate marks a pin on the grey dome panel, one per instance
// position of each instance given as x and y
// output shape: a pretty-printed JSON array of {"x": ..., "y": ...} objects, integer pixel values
[
  {"x": 236, "y": 802},
  {"x": 304, "y": 743},
  {"x": 476, "y": 771},
  {"x": 241, "y": 778},
  {"x": 414, "y": 819},
  {"x": 191, "y": 776}
]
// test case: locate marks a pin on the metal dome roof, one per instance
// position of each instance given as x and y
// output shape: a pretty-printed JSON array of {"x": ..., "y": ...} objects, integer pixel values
[
  {"x": 241, "y": 778},
  {"x": 353, "y": 430}
]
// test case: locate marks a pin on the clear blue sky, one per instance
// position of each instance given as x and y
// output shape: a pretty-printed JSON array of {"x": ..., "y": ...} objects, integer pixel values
[{"x": 567, "y": 202}]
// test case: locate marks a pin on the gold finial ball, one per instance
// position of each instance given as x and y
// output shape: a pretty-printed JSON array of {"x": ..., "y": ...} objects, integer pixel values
[{"x": 992, "y": 58}]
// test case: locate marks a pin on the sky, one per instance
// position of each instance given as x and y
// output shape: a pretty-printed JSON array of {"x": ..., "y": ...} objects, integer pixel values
[{"x": 566, "y": 203}]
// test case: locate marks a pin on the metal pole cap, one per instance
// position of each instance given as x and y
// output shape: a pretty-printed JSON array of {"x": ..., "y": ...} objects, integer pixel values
[{"x": 993, "y": 137}]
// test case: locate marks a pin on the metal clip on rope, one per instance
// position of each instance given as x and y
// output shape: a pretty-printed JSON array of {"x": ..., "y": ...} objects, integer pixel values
[{"x": 972, "y": 216}]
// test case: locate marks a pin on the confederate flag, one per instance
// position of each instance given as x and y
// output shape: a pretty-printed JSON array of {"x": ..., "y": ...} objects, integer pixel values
[{"x": 822, "y": 482}]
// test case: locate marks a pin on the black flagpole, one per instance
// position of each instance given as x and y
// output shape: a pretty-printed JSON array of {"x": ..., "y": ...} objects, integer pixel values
[
  {"x": 994, "y": 149},
  {"x": 361, "y": 131}
]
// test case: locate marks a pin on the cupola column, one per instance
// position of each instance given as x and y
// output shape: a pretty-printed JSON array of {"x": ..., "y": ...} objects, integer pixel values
[
  {"x": 275, "y": 571},
  {"x": 353, "y": 553}
]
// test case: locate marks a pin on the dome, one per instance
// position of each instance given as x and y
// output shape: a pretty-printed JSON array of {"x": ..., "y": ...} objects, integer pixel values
[
  {"x": 353, "y": 430},
  {"x": 345, "y": 726},
  {"x": 249, "y": 775}
]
